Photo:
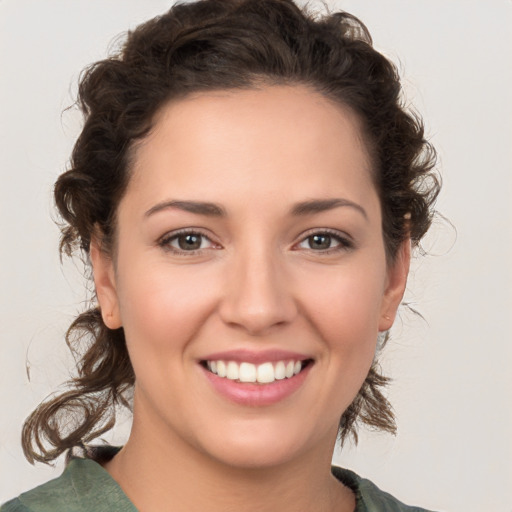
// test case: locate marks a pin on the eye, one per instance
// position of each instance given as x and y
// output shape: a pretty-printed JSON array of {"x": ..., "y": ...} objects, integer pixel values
[
  {"x": 186, "y": 241},
  {"x": 324, "y": 241},
  {"x": 319, "y": 241}
]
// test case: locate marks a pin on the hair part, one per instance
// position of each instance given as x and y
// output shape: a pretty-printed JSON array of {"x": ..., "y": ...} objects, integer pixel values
[{"x": 219, "y": 45}]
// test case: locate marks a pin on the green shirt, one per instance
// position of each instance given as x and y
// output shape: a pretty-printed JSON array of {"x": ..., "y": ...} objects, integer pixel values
[{"x": 85, "y": 486}]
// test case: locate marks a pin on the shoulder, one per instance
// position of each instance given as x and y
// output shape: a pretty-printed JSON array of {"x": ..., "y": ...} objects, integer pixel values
[
  {"x": 83, "y": 486},
  {"x": 13, "y": 506},
  {"x": 369, "y": 497}
]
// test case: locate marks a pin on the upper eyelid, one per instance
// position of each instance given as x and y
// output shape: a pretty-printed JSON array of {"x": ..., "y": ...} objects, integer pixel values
[
  {"x": 329, "y": 231},
  {"x": 164, "y": 240},
  {"x": 345, "y": 242},
  {"x": 184, "y": 231}
]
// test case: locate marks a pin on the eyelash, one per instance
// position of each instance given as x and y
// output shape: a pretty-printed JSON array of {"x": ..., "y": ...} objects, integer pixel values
[
  {"x": 166, "y": 240},
  {"x": 344, "y": 243}
]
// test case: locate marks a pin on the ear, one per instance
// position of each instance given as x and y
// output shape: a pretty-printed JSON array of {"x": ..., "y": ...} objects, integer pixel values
[
  {"x": 105, "y": 284},
  {"x": 395, "y": 286}
]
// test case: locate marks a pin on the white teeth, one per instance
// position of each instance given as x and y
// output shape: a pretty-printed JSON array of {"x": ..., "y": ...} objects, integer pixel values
[
  {"x": 280, "y": 371},
  {"x": 264, "y": 373},
  {"x": 221, "y": 368},
  {"x": 232, "y": 371},
  {"x": 247, "y": 372}
]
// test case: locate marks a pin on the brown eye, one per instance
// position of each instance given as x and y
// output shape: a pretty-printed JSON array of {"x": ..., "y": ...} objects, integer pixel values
[
  {"x": 326, "y": 242},
  {"x": 320, "y": 241},
  {"x": 186, "y": 241},
  {"x": 189, "y": 242}
]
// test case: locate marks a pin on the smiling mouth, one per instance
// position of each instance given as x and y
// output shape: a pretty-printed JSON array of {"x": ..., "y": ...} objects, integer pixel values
[{"x": 264, "y": 373}]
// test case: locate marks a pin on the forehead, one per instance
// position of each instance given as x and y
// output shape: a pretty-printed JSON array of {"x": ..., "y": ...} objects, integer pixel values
[{"x": 290, "y": 140}]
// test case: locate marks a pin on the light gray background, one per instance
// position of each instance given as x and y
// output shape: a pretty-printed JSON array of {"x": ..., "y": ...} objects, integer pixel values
[{"x": 453, "y": 387}]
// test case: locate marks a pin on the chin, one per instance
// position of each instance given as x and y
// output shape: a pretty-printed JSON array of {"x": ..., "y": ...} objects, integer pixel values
[{"x": 265, "y": 445}]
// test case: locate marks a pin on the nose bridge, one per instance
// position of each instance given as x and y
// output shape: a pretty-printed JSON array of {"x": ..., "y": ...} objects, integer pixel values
[{"x": 258, "y": 295}]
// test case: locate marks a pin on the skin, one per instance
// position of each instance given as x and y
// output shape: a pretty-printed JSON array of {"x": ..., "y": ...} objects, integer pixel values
[{"x": 258, "y": 282}]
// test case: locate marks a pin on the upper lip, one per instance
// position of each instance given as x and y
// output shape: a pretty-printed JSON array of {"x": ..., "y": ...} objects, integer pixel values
[{"x": 256, "y": 357}]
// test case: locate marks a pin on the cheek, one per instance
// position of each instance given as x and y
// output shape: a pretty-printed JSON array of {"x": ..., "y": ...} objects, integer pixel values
[
  {"x": 344, "y": 306},
  {"x": 343, "y": 310},
  {"x": 162, "y": 309}
]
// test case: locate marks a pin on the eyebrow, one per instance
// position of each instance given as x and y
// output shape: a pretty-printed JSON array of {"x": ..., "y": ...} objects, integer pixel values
[
  {"x": 321, "y": 205},
  {"x": 309, "y": 207},
  {"x": 198, "y": 207}
]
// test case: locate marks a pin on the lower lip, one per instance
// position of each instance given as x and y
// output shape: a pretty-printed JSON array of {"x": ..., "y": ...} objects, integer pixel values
[{"x": 257, "y": 395}]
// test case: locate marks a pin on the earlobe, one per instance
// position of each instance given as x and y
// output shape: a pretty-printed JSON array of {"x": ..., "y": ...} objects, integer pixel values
[
  {"x": 105, "y": 285},
  {"x": 395, "y": 288}
]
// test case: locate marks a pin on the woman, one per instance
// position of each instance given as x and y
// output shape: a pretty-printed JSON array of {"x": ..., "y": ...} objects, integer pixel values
[{"x": 247, "y": 187}]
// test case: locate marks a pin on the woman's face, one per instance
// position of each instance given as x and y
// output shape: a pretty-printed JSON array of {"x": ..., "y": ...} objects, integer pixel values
[{"x": 249, "y": 275}]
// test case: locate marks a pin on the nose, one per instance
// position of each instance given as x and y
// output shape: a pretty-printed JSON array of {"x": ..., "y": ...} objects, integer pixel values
[{"x": 258, "y": 296}]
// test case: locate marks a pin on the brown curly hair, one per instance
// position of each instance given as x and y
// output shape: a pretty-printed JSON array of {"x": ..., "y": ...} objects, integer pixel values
[{"x": 207, "y": 45}]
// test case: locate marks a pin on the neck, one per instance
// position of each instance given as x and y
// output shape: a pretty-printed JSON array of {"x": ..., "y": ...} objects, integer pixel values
[{"x": 164, "y": 474}]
